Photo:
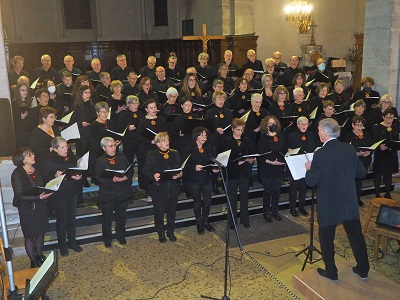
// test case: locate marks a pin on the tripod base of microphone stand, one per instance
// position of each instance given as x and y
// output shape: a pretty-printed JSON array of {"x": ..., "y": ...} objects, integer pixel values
[
  {"x": 308, "y": 251},
  {"x": 223, "y": 297}
]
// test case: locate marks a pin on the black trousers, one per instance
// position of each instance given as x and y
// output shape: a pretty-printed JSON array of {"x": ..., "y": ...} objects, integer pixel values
[
  {"x": 107, "y": 211},
  {"x": 201, "y": 194},
  {"x": 243, "y": 185},
  {"x": 300, "y": 186},
  {"x": 162, "y": 206},
  {"x": 65, "y": 211},
  {"x": 357, "y": 244},
  {"x": 130, "y": 150},
  {"x": 272, "y": 188},
  {"x": 387, "y": 180}
]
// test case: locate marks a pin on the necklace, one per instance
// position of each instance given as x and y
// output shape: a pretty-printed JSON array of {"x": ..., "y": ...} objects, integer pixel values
[
  {"x": 201, "y": 150},
  {"x": 112, "y": 160},
  {"x": 239, "y": 142},
  {"x": 153, "y": 122},
  {"x": 258, "y": 113},
  {"x": 165, "y": 154}
]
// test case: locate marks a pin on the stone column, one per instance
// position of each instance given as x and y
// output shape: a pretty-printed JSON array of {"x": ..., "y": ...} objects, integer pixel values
[
  {"x": 381, "y": 45},
  {"x": 4, "y": 92},
  {"x": 145, "y": 36},
  {"x": 16, "y": 21},
  {"x": 99, "y": 21}
]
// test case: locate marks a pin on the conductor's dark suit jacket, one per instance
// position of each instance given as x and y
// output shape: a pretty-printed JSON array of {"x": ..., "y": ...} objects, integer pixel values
[{"x": 333, "y": 171}]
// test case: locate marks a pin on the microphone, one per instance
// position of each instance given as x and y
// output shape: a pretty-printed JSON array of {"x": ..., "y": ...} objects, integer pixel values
[{"x": 213, "y": 160}]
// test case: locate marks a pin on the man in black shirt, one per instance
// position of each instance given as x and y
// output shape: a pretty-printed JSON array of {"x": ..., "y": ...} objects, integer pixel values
[
  {"x": 253, "y": 84},
  {"x": 122, "y": 71},
  {"x": 69, "y": 66},
  {"x": 254, "y": 63},
  {"x": 149, "y": 70},
  {"x": 131, "y": 88},
  {"x": 96, "y": 69},
  {"x": 289, "y": 73},
  {"x": 17, "y": 64},
  {"x": 161, "y": 84},
  {"x": 45, "y": 71},
  {"x": 103, "y": 89}
]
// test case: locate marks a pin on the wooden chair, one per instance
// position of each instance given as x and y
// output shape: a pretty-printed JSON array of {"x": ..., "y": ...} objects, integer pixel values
[
  {"x": 20, "y": 276},
  {"x": 376, "y": 204}
]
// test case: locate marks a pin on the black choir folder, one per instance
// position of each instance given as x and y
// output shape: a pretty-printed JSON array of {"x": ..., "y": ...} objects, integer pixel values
[
  {"x": 168, "y": 174},
  {"x": 109, "y": 173},
  {"x": 148, "y": 133},
  {"x": 371, "y": 148},
  {"x": 81, "y": 167},
  {"x": 391, "y": 144},
  {"x": 52, "y": 186},
  {"x": 190, "y": 124},
  {"x": 116, "y": 135}
]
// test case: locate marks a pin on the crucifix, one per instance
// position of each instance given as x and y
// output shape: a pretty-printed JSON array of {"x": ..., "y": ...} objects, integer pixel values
[{"x": 204, "y": 37}]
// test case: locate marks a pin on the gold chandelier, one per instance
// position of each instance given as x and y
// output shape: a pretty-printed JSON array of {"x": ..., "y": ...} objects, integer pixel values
[{"x": 298, "y": 14}]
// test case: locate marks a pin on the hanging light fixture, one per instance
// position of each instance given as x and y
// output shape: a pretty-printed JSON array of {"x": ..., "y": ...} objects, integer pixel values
[{"x": 298, "y": 14}]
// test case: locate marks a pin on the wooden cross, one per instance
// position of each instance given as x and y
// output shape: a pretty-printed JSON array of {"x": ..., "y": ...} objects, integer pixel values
[{"x": 204, "y": 37}]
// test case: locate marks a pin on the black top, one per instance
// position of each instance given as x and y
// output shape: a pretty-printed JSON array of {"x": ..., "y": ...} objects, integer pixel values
[
  {"x": 94, "y": 77},
  {"x": 103, "y": 92},
  {"x": 97, "y": 132},
  {"x": 177, "y": 73},
  {"x": 13, "y": 77},
  {"x": 239, "y": 148},
  {"x": 305, "y": 141},
  {"x": 255, "y": 66},
  {"x": 288, "y": 75},
  {"x": 157, "y": 163},
  {"x": 371, "y": 98},
  {"x": 360, "y": 141},
  {"x": 239, "y": 102},
  {"x": 22, "y": 182},
  {"x": 40, "y": 73},
  {"x": 270, "y": 143},
  {"x": 126, "y": 118},
  {"x": 157, "y": 125},
  {"x": 85, "y": 113},
  {"x": 197, "y": 157},
  {"x": 280, "y": 111},
  {"x": 75, "y": 73},
  {"x": 229, "y": 85},
  {"x": 118, "y": 74},
  {"x": 253, "y": 122},
  {"x": 147, "y": 72},
  {"x": 143, "y": 97},
  {"x": 205, "y": 72},
  {"x": 254, "y": 85},
  {"x": 127, "y": 89},
  {"x": 385, "y": 161},
  {"x": 299, "y": 109},
  {"x": 41, "y": 143}
]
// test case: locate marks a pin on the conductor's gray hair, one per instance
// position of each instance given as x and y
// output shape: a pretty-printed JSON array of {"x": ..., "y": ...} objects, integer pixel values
[
  {"x": 330, "y": 127},
  {"x": 105, "y": 140},
  {"x": 55, "y": 142}
]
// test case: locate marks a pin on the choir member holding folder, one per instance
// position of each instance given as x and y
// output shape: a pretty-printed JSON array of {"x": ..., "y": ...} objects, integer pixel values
[
  {"x": 65, "y": 200},
  {"x": 164, "y": 190},
  {"x": 147, "y": 129},
  {"x": 117, "y": 100},
  {"x": 114, "y": 192},
  {"x": 239, "y": 102},
  {"x": 370, "y": 96},
  {"x": 190, "y": 89},
  {"x": 239, "y": 170},
  {"x": 386, "y": 160},
  {"x": 385, "y": 102},
  {"x": 271, "y": 167},
  {"x": 304, "y": 140},
  {"x": 21, "y": 112},
  {"x": 360, "y": 138},
  {"x": 280, "y": 108},
  {"x": 32, "y": 209},
  {"x": 129, "y": 119},
  {"x": 256, "y": 115},
  {"x": 146, "y": 91},
  {"x": 43, "y": 134},
  {"x": 198, "y": 178},
  {"x": 267, "y": 93}
]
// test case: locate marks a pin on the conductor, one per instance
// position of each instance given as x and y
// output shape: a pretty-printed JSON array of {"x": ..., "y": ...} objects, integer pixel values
[{"x": 333, "y": 171}]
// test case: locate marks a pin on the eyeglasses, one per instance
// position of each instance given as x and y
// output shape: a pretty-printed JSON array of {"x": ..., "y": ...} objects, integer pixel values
[
  {"x": 281, "y": 93},
  {"x": 192, "y": 79},
  {"x": 386, "y": 102},
  {"x": 389, "y": 118},
  {"x": 30, "y": 154}
]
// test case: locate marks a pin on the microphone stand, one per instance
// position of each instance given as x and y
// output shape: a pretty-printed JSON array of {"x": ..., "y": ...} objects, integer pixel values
[
  {"x": 8, "y": 252},
  {"x": 229, "y": 208},
  {"x": 308, "y": 251}
]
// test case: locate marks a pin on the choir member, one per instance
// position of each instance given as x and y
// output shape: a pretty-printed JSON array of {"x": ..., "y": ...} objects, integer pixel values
[
  {"x": 287, "y": 76},
  {"x": 239, "y": 171},
  {"x": 117, "y": 100},
  {"x": 386, "y": 160},
  {"x": 298, "y": 81},
  {"x": 161, "y": 84},
  {"x": 303, "y": 139},
  {"x": 114, "y": 192},
  {"x": 370, "y": 96},
  {"x": 359, "y": 110},
  {"x": 218, "y": 85},
  {"x": 32, "y": 209},
  {"x": 56, "y": 101},
  {"x": 84, "y": 80},
  {"x": 317, "y": 101},
  {"x": 42, "y": 100},
  {"x": 173, "y": 71},
  {"x": 198, "y": 178},
  {"x": 129, "y": 119},
  {"x": 386, "y": 102},
  {"x": 66, "y": 89},
  {"x": 339, "y": 97},
  {"x": 253, "y": 83},
  {"x": 16, "y": 70},
  {"x": 149, "y": 70},
  {"x": 84, "y": 114},
  {"x": 146, "y": 91},
  {"x": 65, "y": 200},
  {"x": 223, "y": 76},
  {"x": 45, "y": 71},
  {"x": 270, "y": 168},
  {"x": 179, "y": 140},
  {"x": 190, "y": 89},
  {"x": 253, "y": 63},
  {"x": 69, "y": 66},
  {"x": 103, "y": 89},
  {"x": 277, "y": 56},
  {"x": 239, "y": 102},
  {"x": 322, "y": 70},
  {"x": 94, "y": 75},
  {"x": 121, "y": 71},
  {"x": 220, "y": 117},
  {"x": 267, "y": 93},
  {"x": 146, "y": 144},
  {"x": 328, "y": 108},
  {"x": 43, "y": 134},
  {"x": 131, "y": 88},
  {"x": 360, "y": 138},
  {"x": 280, "y": 108},
  {"x": 299, "y": 107},
  {"x": 256, "y": 115},
  {"x": 202, "y": 68},
  {"x": 270, "y": 69},
  {"x": 229, "y": 62},
  {"x": 171, "y": 108},
  {"x": 98, "y": 130},
  {"x": 164, "y": 191},
  {"x": 21, "y": 115}
]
